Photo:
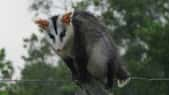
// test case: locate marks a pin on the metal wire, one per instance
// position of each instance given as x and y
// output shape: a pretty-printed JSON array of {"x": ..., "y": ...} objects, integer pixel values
[
  {"x": 32, "y": 80},
  {"x": 43, "y": 81},
  {"x": 149, "y": 79}
]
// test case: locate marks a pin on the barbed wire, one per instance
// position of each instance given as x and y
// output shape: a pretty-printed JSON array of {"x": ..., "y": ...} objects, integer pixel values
[{"x": 44, "y": 81}]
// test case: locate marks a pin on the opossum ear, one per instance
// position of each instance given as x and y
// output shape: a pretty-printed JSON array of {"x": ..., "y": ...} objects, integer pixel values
[
  {"x": 66, "y": 19},
  {"x": 42, "y": 23}
]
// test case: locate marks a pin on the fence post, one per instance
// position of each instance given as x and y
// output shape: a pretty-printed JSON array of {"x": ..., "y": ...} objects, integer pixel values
[{"x": 92, "y": 88}]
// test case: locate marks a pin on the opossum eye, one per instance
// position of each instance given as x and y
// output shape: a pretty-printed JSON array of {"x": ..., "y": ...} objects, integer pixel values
[
  {"x": 51, "y": 36},
  {"x": 62, "y": 34}
]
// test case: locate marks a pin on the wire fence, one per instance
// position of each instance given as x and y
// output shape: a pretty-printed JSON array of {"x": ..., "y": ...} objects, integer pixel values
[
  {"x": 54, "y": 81},
  {"x": 149, "y": 79}
]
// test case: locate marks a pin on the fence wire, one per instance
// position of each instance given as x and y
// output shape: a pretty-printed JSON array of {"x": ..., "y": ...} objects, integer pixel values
[{"x": 54, "y": 81}]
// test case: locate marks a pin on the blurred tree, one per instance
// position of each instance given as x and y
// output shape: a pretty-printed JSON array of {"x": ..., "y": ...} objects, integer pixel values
[
  {"x": 40, "y": 6},
  {"x": 6, "y": 71},
  {"x": 55, "y": 77}
]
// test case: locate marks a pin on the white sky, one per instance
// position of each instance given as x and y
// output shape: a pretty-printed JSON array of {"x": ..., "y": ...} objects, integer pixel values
[{"x": 15, "y": 24}]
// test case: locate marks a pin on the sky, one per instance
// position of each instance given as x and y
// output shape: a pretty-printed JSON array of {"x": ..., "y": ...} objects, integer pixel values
[{"x": 15, "y": 24}]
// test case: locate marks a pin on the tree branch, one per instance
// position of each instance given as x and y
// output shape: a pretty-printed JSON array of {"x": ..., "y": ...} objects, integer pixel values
[{"x": 92, "y": 88}]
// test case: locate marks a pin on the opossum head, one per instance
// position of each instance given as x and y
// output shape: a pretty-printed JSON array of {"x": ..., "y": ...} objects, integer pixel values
[{"x": 58, "y": 30}]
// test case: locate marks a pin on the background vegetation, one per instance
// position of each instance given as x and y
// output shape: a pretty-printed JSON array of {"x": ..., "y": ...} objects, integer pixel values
[{"x": 139, "y": 27}]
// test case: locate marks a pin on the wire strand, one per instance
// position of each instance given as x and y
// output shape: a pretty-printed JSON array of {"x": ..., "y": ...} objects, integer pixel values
[
  {"x": 37, "y": 80},
  {"x": 149, "y": 79}
]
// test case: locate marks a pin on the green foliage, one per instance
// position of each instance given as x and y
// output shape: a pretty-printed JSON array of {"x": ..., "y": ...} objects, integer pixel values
[
  {"x": 6, "y": 69},
  {"x": 55, "y": 77},
  {"x": 3, "y": 93},
  {"x": 54, "y": 81}
]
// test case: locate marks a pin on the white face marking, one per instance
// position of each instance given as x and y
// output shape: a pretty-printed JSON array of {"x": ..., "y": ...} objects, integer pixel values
[{"x": 63, "y": 36}]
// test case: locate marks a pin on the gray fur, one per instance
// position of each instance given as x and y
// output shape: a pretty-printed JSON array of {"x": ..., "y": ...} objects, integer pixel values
[{"x": 92, "y": 44}]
